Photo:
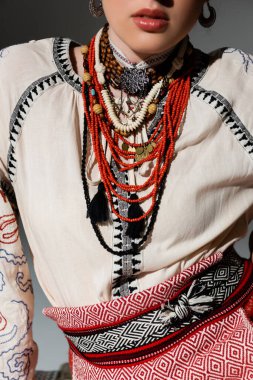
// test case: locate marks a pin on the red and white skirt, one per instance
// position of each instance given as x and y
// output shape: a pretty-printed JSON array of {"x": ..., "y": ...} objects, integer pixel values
[{"x": 191, "y": 327}]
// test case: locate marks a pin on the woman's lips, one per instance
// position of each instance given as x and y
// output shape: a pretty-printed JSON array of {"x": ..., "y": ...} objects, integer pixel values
[
  {"x": 150, "y": 24},
  {"x": 151, "y": 20}
]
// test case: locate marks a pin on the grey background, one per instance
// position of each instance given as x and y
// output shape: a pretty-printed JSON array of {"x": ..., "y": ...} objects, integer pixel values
[{"x": 24, "y": 20}]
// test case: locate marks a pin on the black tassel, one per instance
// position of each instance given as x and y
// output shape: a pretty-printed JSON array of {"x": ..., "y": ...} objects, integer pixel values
[
  {"x": 98, "y": 209},
  {"x": 135, "y": 230}
]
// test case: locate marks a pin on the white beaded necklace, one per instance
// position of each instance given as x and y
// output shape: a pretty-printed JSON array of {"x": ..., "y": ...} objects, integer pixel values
[
  {"x": 132, "y": 125},
  {"x": 154, "y": 92}
]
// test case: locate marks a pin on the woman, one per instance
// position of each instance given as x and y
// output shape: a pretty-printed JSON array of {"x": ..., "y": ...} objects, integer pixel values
[{"x": 130, "y": 160}]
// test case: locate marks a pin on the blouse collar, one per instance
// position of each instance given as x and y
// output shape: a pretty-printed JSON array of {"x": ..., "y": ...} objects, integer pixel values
[{"x": 61, "y": 54}]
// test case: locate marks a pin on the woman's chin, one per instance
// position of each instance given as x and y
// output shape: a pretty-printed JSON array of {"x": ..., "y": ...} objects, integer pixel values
[{"x": 142, "y": 43}]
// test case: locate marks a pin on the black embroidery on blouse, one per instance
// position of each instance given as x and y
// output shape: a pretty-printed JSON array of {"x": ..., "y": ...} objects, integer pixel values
[
  {"x": 63, "y": 62},
  {"x": 247, "y": 59},
  {"x": 125, "y": 267},
  {"x": 228, "y": 116},
  {"x": 21, "y": 111}
]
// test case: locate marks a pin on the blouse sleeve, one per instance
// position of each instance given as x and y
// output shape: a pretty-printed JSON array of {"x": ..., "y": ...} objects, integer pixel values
[{"x": 18, "y": 351}]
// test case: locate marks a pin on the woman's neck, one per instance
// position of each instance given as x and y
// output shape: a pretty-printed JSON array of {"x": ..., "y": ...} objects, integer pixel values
[
  {"x": 77, "y": 58},
  {"x": 129, "y": 54}
]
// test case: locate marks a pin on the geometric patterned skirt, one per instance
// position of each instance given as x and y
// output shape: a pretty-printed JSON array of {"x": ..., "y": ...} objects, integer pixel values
[{"x": 192, "y": 327}]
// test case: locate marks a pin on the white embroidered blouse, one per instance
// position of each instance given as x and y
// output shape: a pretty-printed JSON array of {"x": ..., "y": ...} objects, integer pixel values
[{"x": 206, "y": 206}]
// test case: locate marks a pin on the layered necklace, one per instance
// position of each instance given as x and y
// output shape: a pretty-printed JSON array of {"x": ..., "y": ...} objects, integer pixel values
[{"x": 114, "y": 139}]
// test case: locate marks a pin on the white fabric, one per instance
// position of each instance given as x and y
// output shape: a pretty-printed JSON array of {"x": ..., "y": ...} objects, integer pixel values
[{"x": 207, "y": 204}]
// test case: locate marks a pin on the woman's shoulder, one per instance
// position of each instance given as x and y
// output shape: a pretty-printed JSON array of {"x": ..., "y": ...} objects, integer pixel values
[
  {"x": 46, "y": 61},
  {"x": 225, "y": 86},
  {"x": 229, "y": 67},
  {"x": 233, "y": 56},
  {"x": 26, "y": 59},
  {"x": 22, "y": 65},
  {"x": 227, "y": 79},
  {"x": 27, "y": 71}
]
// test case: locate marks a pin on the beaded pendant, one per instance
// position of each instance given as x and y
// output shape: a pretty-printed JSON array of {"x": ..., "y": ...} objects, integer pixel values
[{"x": 135, "y": 81}]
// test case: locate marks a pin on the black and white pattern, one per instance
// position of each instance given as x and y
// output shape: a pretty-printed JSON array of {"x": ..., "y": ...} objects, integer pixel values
[
  {"x": 36, "y": 89},
  {"x": 63, "y": 62},
  {"x": 217, "y": 284},
  {"x": 229, "y": 117},
  {"x": 125, "y": 267},
  {"x": 21, "y": 111}
]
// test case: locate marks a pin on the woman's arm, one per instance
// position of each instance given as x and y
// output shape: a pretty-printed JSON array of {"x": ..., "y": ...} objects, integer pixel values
[{"x": 18, "y": 351}]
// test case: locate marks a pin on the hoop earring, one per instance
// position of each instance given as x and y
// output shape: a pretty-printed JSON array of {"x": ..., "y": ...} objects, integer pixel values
[
  {"x": 96, "y": 10},
  {"x": 207, "y": 22}
]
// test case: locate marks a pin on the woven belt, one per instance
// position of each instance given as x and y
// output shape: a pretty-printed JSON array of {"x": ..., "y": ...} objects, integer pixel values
[{"x": 217, "y": 291}]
